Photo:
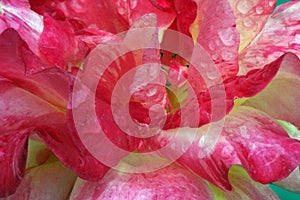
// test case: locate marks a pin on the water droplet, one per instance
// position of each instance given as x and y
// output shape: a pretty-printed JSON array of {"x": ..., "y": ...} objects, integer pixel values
[
  {"x": 218, "y": 42},
  {"x": 151, "y": 92},
  {"x": 122, "y": 7},
  {"x": 121, "y": 10},
  {"x": 212, "y": 74},
  {"x": 78, "y": 6},
  {"x": 259, "y": 10},
  {"x": 244, "y": 6},
  {"x": 243, "y": 131},
  {"x": 226, "y": 55},
  {"x": 133, "y": 3},
  {"x": 248, "y": 22},
  {"x": 272, "y": 3},
  {"x": 215, "y": 56},
  {"x": 173, "y": 146},
  {"x": 227, "y": 36},
  {"x": 227, "y": 152},
  {"x": 212, "y": 45}
]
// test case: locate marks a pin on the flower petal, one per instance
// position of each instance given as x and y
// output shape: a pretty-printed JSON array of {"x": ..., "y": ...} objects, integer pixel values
[
  {"x": 47, "y": 181},
  {"x": 253, "y": 82},
  {"x": 292, "y": 182},
  {"x": 244, "y": 187},
  {"x": 19, "y": 16},
  {"x": 64, "y": 142},
  {"x": 167, "y": 183},
  {"x": 51, "y": 84},
  {"x": 219, "y": 37},
  {"x": 251, "y": 16},
  {"x": 281, "y": 34},
  {"x": 249, "y": 138},
  {"x": 280, "y": 98},
  {"x": 13, "y": 153},
  {"x": 58, "y": 46},
  {"x": 89, "y": 13}
]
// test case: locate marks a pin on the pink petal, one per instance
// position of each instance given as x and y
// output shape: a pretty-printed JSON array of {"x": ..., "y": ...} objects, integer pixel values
[
  {"x": 170, "y": 182},
  {"x": 219, "y": 37},
  {"x": 280, "y": 99},
  {"x": 20, "y": 109},
  {"x": 90, "y": 13},
  {"x": 47, "y": 181},
  {"x": 58, "y": 46},
  {"x": 280, "y": 35},
  {"x": 244, "y": 187},
  {"x": 254, "y": 81},
  {"x": 51, "y": 84},
  {"x": 13, "y": 153},
  {"x": 186, "y": 15},
  {"x": 249, "y": 138},
  {"x": 65, "y": 143},
  {"x": 19, "y": 16},
  {"x": 292, "y": 182},
  {"x": 251, "y": 16}
]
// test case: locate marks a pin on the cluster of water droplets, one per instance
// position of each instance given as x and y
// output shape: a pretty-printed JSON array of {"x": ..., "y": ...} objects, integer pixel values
[{"x": 125, "y": 6}]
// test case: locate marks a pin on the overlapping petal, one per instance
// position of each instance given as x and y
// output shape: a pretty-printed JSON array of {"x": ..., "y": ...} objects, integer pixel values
[
  {"x": 250, "y": 17},
  {"x": 90, "y": 14},
  {"x": 249, "y": 138},
  {"x": 13, "y": 153},
  {"x": 244, "y": 187},
  {"x": 219, "y": 37},
  {"x": 284, "y": 29},
  {"x": 168, "y": 183},
  {"x": 280, "y": 98},
  {"x": 19, "y": 16},
  {"x": 37, "y": 181},
  {"x": 292, "y": 182}
]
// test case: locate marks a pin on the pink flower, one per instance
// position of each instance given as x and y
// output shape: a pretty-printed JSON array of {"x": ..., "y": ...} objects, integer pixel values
[{"x": 46, "y": 45}]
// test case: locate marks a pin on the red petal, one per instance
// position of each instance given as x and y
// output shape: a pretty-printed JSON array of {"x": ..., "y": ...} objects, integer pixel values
[
  {"x": 251, "y": 16},
  {"x": 280, "y": 99},
  {"x": 19, "y": 16},
  {"x": 186, "y": 15},
  {"x": 219, "y": 37},
  {"x": 58, "y": 46},
  {"x": 48, "y": 181},
  {"x": 280, "y": 35},
  {"x": 13, "y": 153},
  {"x": 250, "y": 138},
  {"x": 253, "y": 82},
  {"x": 51, "y": 84},
  {"x": 65, "y": 143},
  {"x": 170, "y": 182},
  {"x": 90, "y": 13}
]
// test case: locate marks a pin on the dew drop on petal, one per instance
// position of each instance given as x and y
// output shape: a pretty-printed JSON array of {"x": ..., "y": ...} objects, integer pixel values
[
  {"x": 227, "y": 36},
  {"x": 227, "y": 152},
  {"x": 212, "y": 45},
  {"x": 244, "y": 6},
  {"x": 248, "y": 23},
  {"x": 151, "y": 92},
  {"x": 133, "y": 4},
  {"x": 259, "y": 10},
  {"x": 173, "y": 146},
  {"x": 122, "y": 7},
  {"x": 212, "y": 74},
  {"x": 272, "y": 3},
  {"x": 215, "y": 56},
  {"x": 226, "y": 55}
]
